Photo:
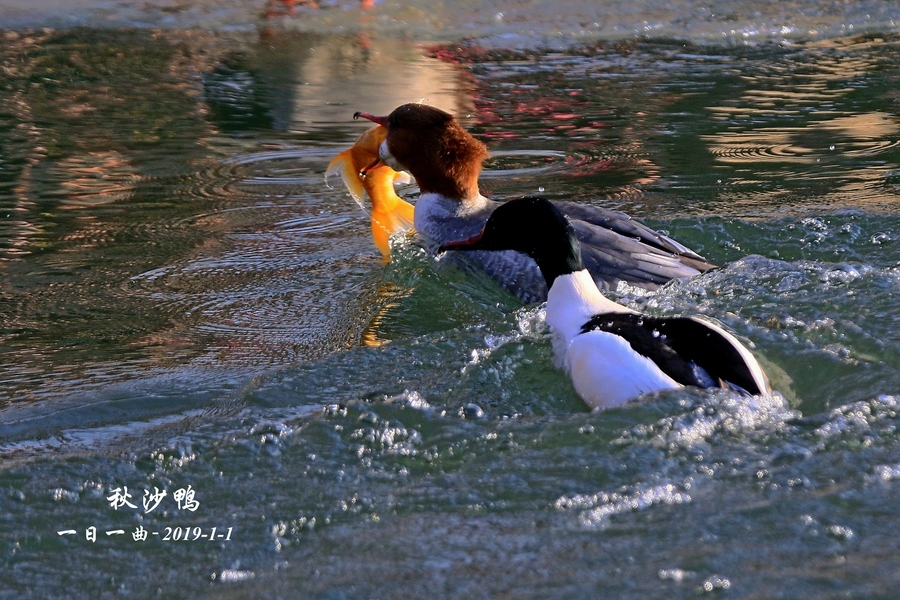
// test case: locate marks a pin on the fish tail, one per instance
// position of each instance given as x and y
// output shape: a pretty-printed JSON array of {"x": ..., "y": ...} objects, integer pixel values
[
  {"x": 386, "y": 222},
  {"x": 343, "y": 164}
]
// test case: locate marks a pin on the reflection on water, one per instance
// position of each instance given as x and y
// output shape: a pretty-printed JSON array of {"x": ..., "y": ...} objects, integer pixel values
[
  {"x": 174, "y": 260},
  {"x": 812, "y": 96},
  {"x": 300, "y": 84},
  {"x": 183, "y": 299}
]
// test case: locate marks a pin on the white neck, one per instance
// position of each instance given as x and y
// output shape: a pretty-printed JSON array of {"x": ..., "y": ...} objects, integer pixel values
[{"x": 573, "y": 300}]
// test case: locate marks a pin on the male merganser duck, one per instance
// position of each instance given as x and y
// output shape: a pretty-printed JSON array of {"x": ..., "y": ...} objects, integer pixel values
[
  {"x": 390, "y": 213},
  {"x": 612, "y": 353},
  {"x": 445, "y": 160}
]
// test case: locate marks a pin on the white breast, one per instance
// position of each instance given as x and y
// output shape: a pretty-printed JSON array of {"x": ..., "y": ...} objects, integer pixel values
[
  {"x": 607, "y": 372},
  {"x": 573, "y": 300},
  {"x": 604, "y": 368}
]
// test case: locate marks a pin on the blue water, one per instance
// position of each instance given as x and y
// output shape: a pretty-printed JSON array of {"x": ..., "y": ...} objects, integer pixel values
[{"x": 187, "y": 306}]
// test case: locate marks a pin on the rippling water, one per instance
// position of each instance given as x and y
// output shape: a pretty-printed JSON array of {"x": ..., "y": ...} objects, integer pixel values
[{"x": 185, "y": 301}]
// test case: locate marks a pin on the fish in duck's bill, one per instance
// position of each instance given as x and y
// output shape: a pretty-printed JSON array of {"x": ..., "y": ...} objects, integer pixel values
[
  {"x": 612, "y": 353},
  {"x": 445, "y": 161},
  {"x": 363, "y": 173}
]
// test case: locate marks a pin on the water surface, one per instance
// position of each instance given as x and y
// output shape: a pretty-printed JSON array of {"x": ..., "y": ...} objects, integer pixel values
[{"x": 184, "y": 301}]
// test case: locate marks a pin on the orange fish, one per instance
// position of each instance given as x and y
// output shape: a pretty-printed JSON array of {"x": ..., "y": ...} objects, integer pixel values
[{"x": 361, "y": 172}]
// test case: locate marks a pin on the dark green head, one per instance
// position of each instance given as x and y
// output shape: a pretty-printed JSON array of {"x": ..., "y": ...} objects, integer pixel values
[{"x": 533, "y": 226}]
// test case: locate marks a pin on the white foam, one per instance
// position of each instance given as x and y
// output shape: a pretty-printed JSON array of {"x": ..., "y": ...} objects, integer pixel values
[
  {"x": 598, "y": 508},
  {"x": 234, "y": 575}
]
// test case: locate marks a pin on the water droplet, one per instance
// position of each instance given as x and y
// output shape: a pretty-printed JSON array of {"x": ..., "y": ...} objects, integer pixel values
[
  {"x": 369, "y": 417},
  {"x": 840, "y": 532},
  {"x": 472, "y": 411},
  {"x": 678, "y": 575},
  {"x": 716, "y": 583}
]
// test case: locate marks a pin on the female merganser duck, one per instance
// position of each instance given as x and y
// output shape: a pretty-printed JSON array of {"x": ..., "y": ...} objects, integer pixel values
[
  {"x": 445, "y": 160},
  {"x": 612, "y": 353}
]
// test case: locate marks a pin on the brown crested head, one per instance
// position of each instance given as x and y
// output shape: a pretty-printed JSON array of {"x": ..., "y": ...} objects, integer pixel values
[{"x": 442, "y": 156}]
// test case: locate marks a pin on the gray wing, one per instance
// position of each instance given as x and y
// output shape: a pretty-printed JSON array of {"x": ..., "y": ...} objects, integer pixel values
[
  {"x": 623, "y": 224},
  {"x": 616, "y": 247}
]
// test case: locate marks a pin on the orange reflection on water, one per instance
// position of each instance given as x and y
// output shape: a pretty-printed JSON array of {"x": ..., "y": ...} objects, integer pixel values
[
  {"x": 93, "y": 178},
  {"x": 388, "y": 295}
]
